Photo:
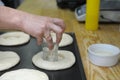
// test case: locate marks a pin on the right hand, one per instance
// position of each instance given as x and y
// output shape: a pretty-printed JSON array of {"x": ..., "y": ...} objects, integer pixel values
[{"x": 41, "y": 26}]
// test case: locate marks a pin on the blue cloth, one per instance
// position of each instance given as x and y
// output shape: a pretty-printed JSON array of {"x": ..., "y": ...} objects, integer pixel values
[{"x": 1, "y": 3}]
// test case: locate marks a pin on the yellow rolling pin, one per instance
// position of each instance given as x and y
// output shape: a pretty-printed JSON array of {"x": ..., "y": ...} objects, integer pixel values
[{"x": 92, "y": 14}]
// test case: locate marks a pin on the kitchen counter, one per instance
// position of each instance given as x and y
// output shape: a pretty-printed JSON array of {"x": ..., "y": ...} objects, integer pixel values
[{"x": 107, "y": 33}]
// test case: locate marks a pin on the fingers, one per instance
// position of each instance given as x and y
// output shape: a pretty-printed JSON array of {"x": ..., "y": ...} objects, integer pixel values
[
  {"x": 59, "y": 22},
  {"x": 47, "y": 34},
  {"x": 58, "y": 38},
  {"x": 39, "y": 40},
  {"x": 51, "y": 24},
  {"x": 58, "y": 30},
  {"x": 48, "y": 39}
]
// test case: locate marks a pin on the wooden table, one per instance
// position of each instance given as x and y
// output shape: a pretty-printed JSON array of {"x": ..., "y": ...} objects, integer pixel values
[{"x": 107, "y": 33}]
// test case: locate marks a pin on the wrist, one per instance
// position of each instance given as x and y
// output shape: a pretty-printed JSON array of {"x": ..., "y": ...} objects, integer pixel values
[{"x": 19, "y": 20}]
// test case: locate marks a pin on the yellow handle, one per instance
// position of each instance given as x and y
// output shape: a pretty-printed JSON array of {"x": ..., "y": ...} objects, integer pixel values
[{"x": 92, "y": 14}]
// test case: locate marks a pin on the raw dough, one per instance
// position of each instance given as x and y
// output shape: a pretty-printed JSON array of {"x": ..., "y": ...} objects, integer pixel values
[
  {"x": 66, "y": 39},
  {"x": 14, "y": 38},
  {"x": 65, "y": 60},
  {"x": 8, "y": 59},
  {"x": 24, "y": 74}
]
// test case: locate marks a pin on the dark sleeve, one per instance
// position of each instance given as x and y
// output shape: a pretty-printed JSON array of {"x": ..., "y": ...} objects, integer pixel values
[{"x": 12, "y": 3}]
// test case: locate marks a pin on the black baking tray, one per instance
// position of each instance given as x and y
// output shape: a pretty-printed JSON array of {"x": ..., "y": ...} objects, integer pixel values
[{"x": 28, "y": 50}]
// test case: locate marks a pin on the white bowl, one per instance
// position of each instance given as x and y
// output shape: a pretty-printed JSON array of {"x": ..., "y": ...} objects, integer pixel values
[{"x": 103, "y": 54}]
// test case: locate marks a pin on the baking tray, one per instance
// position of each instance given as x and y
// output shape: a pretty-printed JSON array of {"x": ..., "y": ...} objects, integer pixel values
[{"x": 28, "y": 50}]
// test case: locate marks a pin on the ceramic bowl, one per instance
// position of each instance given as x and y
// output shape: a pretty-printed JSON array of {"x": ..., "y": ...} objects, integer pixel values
[{"x": 103, "y": 54}]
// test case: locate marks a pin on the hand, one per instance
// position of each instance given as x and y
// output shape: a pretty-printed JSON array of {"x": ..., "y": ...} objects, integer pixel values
[{"x": 40, "y": 27}]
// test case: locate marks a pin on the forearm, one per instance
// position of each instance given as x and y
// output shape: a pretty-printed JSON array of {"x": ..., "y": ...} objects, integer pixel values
[{"x": 10, "y": 18}]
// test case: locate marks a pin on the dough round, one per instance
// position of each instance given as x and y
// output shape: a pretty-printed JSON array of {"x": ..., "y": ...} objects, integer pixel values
[
  {"x": 65, "y": 60},
  {"x": 24, "y": 74},
  {"x": 8, "y": 59},
  {"x": 14, "y": 38},
  {"x": 66, "y": 39}
]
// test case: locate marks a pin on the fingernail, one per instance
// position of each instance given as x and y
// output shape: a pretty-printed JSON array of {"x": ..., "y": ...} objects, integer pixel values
[{"x": 51, "y": 46}]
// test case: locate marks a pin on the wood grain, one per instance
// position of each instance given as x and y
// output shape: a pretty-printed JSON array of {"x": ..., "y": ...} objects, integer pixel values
[{"x": 107, "y": 33}]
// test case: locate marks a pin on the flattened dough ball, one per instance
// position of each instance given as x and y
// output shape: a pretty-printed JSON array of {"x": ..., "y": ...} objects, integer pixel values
[
  {"x": 8, "y": 59},
  {"x": 24, "y": 74},
  {"x": 65, "y": 60},
  {"x": 14, "y": 38},
  {"x": 65, "y": 41}
]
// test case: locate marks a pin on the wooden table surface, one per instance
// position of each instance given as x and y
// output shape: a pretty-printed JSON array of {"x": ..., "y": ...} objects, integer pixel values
[{"x": 107, "y": 33}]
